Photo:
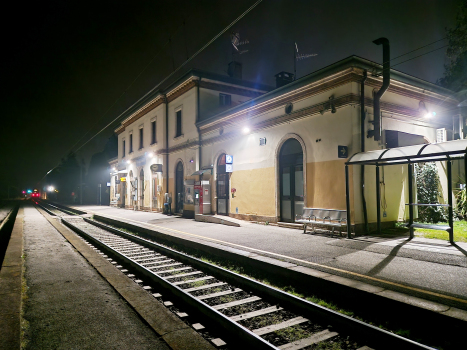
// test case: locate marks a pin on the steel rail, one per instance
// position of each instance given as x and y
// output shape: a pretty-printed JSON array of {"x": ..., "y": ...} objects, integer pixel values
[
  {"x": 371, "y": 335},
  {"x": 226, "y": 323}
]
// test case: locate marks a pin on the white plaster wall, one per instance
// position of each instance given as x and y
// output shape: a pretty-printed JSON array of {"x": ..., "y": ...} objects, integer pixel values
[{"x": 187, "y": 102}]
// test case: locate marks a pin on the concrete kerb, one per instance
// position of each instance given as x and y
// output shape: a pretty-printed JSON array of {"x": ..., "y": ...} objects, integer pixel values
[
  {"x": 175, "y": 332},
  {"x": 10, "y": 286},
  {"x": 355, "y": 293}
]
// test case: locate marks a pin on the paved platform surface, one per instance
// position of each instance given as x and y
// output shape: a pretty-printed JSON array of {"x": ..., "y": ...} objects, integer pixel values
[
  {"x": 69, "y": 305},
  {"x": 421, "y": 264}
]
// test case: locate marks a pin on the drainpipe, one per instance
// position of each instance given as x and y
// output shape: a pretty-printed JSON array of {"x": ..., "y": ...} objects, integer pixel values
[
  {"x": 197, "y": 120},
  {"x": 362, "y": 145},
  {"x": 384, "y": 87},
  {"x": 166, "y": 145}
]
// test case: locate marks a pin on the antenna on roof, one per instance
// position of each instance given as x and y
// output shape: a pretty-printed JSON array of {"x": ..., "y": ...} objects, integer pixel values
[
  {"x": 235, "y": 41},
  {"x": 299, "y": 56}
]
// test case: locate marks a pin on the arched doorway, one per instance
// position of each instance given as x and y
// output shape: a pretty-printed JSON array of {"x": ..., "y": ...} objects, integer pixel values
[
  {"x": 291, "y": 180},
  {"x": 179, "y": 188},
  {"x": 222, "y": 184},
  {"x": 141, "y": 181}
]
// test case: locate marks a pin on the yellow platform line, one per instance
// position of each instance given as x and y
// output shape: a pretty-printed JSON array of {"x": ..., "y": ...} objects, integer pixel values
[{"x": 299, "y": 260}]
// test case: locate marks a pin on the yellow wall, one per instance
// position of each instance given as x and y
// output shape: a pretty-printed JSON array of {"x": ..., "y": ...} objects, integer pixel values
[
  {"x": 326, "y": 184},
  {"x": 255, "y": 192}
]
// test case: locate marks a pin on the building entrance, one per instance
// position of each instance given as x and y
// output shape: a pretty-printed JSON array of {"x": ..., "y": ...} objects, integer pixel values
[
  {"x": 222, "y": 187},
  {"x": 291, "y": 180},
  {"x": 179, "y": 188}
]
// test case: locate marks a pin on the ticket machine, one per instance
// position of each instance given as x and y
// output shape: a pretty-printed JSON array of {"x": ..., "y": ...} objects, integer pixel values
[{"x": 197, "y": 193}]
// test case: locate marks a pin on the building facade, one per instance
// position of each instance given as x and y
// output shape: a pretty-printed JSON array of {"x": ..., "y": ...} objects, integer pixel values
[{"x": 269, "y": 154}]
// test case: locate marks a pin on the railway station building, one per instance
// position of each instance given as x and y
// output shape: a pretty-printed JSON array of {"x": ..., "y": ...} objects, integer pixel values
[{"x": 254, "y": 152}]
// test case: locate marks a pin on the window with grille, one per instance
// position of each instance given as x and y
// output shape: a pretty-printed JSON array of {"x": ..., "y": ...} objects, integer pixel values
[{"x": 441, "y": 135}]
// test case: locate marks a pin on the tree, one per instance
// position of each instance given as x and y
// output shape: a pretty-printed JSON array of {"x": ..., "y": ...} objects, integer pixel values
[
  {"x": 428, "y": 193},
  {"x": 455, "y": 75}
]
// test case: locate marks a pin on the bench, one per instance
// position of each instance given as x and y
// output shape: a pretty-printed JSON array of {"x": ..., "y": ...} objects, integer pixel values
[{"x": 323, "y": 217}]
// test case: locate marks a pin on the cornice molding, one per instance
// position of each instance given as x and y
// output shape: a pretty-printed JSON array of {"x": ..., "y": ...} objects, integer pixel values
[
  {"x": 346, "y": 76},
  {"x": 181, "y": 89},
  {"x": 340, "y": 102}
]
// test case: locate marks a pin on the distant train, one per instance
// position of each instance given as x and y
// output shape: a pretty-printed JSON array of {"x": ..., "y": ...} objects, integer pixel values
[{"x": 32, "y": 194}]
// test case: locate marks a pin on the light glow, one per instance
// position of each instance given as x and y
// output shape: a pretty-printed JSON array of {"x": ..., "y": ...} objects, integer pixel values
[
  {"x": 50, "y": 189},
  {"x": 246, "y": 130}
]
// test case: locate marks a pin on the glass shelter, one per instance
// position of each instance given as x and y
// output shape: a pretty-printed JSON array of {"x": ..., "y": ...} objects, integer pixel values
[{"x": 432, "y": 152}]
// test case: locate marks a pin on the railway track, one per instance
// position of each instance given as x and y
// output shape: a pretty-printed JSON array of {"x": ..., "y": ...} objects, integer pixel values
[{"x": 248, "y": 313}]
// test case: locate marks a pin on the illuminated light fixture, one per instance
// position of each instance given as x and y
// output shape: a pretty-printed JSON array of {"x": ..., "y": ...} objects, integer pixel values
[
  {"x": 428, "y": 115},
  {"x": 29, "y": 191},
  {"x": 191, "y": 160},
  {"x": 128, "y": 161},
  {"x": 51, "y": 189},
  {"x": 246, "y": 130},
  {"x": 150, "y": 154}
]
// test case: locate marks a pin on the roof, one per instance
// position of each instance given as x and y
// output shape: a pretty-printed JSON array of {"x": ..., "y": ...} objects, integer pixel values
[
  {"x": 349, "y": 62},
  {"x": 193, "y": 73},
  {"x": 430, "y": 152}
]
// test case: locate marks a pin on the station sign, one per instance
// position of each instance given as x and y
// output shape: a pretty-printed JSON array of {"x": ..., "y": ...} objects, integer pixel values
[
  {"x": 156, "y": 168},
  {"x": 228, "y": 159},
  {"x": 123, "y": 179},
  {"x": 229, "y": 168}
]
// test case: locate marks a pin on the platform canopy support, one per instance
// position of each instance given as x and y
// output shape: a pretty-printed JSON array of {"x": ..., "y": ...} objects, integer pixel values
[{"x": 435, "y": 152}]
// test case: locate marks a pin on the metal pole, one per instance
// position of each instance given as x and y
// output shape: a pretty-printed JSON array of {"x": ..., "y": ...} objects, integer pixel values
[
  {"x": 465, "y": 168},
  {"x": 410, "y": 179},
  {"x": 100, "y": 197},
  {"x": 81, "y": 183},
  {"x": 378, "y": 202},
  {"x": 347, "y": 200},
  {"x": 451, "y": 223}
]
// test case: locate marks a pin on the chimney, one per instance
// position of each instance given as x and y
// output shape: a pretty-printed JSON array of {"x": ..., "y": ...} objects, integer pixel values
[
  {"x": 283, "y": 78},
  {"x": 235, "y": 70}
]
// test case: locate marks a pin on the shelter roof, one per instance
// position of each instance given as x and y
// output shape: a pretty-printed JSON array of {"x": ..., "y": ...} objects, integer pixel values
[{"x": 429, "y": 152}]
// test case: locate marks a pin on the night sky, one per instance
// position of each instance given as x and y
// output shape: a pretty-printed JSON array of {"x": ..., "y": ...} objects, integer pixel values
[{"x": 67, "y": 65}]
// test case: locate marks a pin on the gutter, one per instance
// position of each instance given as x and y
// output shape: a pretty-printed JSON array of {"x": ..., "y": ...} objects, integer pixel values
[{"x": 362, "y": 145}]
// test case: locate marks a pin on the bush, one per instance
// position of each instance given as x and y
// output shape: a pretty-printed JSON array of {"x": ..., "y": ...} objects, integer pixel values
[
  {"x": 461, "y": 208},
  {"x": 428, "y": 193}
]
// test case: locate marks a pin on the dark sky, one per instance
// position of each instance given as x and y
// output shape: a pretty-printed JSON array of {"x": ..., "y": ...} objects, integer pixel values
[{"x": 66, "y": 63}]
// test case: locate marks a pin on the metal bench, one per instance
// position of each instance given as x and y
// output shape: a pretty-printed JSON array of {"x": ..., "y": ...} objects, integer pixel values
[{"x": 323, "y": 217}]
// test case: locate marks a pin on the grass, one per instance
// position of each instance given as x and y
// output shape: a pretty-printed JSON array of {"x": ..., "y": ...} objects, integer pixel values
[{"x": 460, "y": 231}]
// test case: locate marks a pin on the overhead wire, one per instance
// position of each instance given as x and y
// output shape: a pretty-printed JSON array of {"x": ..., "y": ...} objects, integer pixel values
[
  {"x": 175, "y": 71},
  {"x": 127, "y": 88}
]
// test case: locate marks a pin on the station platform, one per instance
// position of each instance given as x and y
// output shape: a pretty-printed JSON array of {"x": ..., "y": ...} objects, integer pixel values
[
  {"x": 64, "y": 295},
  {"x": 424, "y": 273}
]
